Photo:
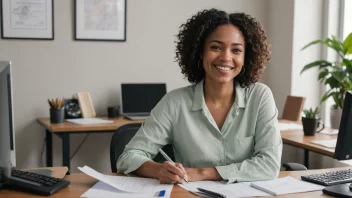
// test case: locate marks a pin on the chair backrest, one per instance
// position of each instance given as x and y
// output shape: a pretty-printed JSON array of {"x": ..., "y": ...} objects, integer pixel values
[
  {"x": 293, "y": 108},
  {"x": 122, "y": 137}
]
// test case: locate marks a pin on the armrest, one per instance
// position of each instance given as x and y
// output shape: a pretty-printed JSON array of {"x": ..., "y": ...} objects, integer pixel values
[{"x": 290, "y": 166}]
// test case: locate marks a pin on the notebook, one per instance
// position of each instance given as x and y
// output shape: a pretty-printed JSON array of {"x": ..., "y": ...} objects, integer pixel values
[
  {"x": 285, "y": 185},
  {"x": 137, "y": 100}
]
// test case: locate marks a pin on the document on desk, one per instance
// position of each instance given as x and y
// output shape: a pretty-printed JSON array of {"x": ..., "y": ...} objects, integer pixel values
[
  {"x": 229, "y": 190},
  {"x": 101, "y": 189},
  {"x": 325, "y": 143},
  {"x": 89, "y": 121},
  {"x": 145, "y": 186},
  {"x": 286, "y": 185},
  {"x": 329, "y": 131},
  {"x": 289, "y": 126}
]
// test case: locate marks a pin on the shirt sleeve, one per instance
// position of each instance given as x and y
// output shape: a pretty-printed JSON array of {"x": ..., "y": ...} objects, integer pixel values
[
  {"x": 266, "y": 160},
  {"x": 154, "y": 133}
]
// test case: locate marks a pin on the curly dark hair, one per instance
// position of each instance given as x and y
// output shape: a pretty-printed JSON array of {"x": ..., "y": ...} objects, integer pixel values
[{"x": 193, "y": 33}]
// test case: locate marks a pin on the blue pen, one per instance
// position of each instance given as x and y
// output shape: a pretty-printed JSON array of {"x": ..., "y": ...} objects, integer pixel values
[{"x": 161, "y": 193}]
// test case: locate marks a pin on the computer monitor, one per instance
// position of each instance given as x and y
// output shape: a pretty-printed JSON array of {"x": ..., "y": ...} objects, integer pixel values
[
  {"x": 141, "y": 98},
  {"x": 343, "y": 150},
  {"x": 7, "y": 134}
]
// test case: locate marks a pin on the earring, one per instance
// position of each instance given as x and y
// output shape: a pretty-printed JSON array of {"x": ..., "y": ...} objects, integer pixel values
[{"x": 242, "y": 71}]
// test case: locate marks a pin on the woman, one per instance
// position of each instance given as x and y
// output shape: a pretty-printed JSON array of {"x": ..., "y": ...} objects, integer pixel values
[{"x": 224, "y": 126}]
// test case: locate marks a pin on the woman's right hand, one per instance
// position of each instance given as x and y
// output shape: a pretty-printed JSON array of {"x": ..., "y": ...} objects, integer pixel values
[{"x": 171, "y": 173}]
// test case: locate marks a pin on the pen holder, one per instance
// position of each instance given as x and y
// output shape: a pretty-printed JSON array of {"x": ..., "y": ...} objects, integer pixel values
[{"x": 57, "y": 115}]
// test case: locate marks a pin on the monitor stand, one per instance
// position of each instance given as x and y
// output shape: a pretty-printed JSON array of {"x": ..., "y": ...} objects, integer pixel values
[{"x": 340, "y": 190}]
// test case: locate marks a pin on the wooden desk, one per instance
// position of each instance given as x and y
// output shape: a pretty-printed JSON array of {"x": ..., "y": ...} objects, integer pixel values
[
  {"x": 291, "y": 137},
  {"x": 63, "y": 130},
  {"x": 296, "y": 138},
  {"x": 80, "y": 183}
]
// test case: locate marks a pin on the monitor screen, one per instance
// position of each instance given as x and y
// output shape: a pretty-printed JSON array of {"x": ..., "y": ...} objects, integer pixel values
[
  {"x": 343, "y": 149},
  {"x": 141, "y": 98},
  {"x": 7, "y": 143}
]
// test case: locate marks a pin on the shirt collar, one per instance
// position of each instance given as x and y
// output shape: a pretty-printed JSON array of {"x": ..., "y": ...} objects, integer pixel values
[
  {"x": 198, "y": 97},
  {"x": 199, "y": 102}
]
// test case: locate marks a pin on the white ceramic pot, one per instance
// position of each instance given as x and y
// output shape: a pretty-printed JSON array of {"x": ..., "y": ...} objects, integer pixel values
[{"x": 335, "y": 117}]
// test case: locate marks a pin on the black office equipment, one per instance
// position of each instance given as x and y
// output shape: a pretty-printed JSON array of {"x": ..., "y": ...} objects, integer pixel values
[
  {"x": 35, "y": 183},
  {"x": 330, "y": 178},
  {"x": 343, "y": 151},
  {"x": 9, "y": 176},
  {"x": 122, "y": 137},
  {"x": 137, "y": 100}
]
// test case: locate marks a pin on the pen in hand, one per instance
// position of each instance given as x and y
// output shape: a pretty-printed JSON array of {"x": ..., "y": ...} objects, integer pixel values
[{"x": 169, "y": 159}]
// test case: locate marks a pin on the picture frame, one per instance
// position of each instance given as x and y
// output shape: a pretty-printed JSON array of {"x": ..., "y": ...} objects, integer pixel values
[
  {"x": 27, "y": 19},
  {"x": 103, "y": 21}
]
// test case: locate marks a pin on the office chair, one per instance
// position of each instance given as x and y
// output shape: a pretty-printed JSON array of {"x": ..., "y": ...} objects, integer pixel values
[
  {"x": 293, "y": 108},
  {"x": 291, "y": 166},
  {"x": 122, "y": 137}
]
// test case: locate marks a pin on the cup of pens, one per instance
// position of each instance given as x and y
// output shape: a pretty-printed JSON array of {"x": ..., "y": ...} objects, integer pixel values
[{"x": 57, "y": 110}]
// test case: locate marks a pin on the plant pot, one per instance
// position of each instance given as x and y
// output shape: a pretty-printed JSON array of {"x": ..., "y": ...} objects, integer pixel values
[
  {"x": 335, "y": 117},
  {"x": 310, "y": 126}
]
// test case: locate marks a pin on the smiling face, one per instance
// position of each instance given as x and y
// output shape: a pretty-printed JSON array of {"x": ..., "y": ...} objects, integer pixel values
[{"x": 223, "y": 55}]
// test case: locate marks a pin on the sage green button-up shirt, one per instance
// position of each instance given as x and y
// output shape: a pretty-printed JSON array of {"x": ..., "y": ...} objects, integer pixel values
[{"x": 247, "y": 148}]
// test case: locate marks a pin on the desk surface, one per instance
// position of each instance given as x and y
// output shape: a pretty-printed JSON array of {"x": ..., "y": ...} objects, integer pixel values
[
  {"x": 71, "y": 127},
  {"x": 292, "y": 137},
  {"x": 80, "y": 183},
  {"x": 296, "y": 138}
]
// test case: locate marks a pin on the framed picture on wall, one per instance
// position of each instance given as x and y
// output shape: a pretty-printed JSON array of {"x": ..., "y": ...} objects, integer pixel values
[
  {"x": 103, "y": 20},
  {"x": 27, "y": 19}
]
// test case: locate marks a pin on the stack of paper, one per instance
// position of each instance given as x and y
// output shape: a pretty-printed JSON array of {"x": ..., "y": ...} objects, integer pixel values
[
  {"x": 329, "y": 131},
  {"x": 325, "y": 143},
  {"x": 289, "y": 126},
  {"x": 120, "y": 186},
  {"x": 285, "y": 185},
  {"x": 89, "y": 121},
  {"x": 229, "y": 190}
]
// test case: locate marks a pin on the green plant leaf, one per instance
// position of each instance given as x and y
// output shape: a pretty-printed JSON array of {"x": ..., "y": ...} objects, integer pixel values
[
  {"x": 332, "y": 82},
  {"x": 347, "y": 44},
  {"x": 337, "y": 44},
  {"x": 320, "y": 63},
  {"x": 327, "y": 95},
  {"x": 313, "y": 43},
  {"x": 340, "y": 75},
  {"x": 323, "y": 74},
  {"x": 348, "y": 64}
]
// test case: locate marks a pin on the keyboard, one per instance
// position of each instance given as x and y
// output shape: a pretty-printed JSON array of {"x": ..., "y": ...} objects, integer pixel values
[
  {"x": 330, "y": 178},
  {"x": 35, "y": 183}
]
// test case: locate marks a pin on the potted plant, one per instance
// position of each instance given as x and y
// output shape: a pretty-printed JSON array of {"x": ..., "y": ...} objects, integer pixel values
[
  {"x": 311, "y": 121},
  {"x": 337, "y": 75}
]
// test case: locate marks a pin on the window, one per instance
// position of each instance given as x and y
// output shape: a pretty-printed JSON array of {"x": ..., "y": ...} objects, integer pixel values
[{"x": 347, "y": 18}]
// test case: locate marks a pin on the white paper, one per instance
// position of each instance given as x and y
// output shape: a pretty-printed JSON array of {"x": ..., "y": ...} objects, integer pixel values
[
  {"x": 89, "y": 121},
  {"x": 229, "y": 190},
  {"x": 329, "y": 131},
  {"x": 144, "y": 186},
  {"x": 325, "y": 143},
  {"x": 101, "y": 189},
  {"x": 286, "y": 185},
  {"x": 289, "y": 126}
]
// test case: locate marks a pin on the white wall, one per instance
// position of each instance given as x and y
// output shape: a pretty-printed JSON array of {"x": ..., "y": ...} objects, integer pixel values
[
  {"x": 280, "y": 35},
  {"x": 62, "y": 67}
]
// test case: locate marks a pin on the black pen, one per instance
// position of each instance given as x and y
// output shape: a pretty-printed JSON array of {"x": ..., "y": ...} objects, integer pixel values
[{"x": 211, "y": 193}]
